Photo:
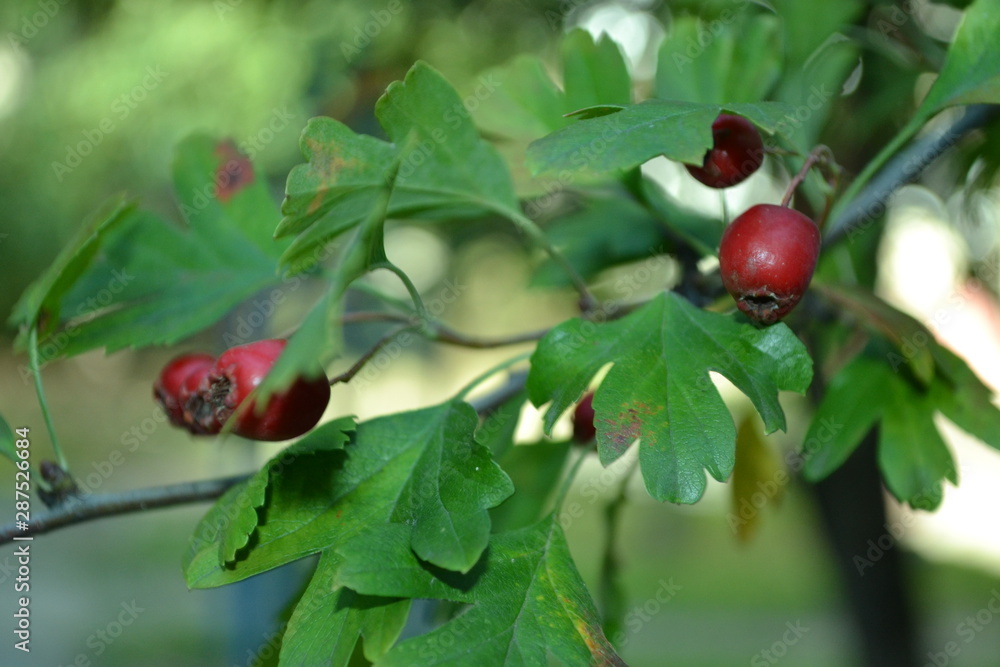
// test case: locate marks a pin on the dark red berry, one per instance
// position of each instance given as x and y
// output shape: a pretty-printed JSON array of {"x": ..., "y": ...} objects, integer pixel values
[
  {"x": 287, "y": 414},
  {"x": 583, "y": 419},
  {"x": 737, "y": 152},
  {"x": 767, "y": 257},
  {"x": 166, "y": 389}
]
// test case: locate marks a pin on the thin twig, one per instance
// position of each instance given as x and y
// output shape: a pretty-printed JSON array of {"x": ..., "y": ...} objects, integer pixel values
[
  {"x": 441, "y": 334},
  {"x": 444, "y": 334},
  {"x": 362, "y": 317},
  {"x": 36, "y": 372},
  {"x": 347, "y": 375},
  {"x": 102, "y": 505},
  {"x": 817, "y": 156}
]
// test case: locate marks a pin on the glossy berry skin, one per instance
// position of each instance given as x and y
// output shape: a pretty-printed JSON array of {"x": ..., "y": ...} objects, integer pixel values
[
  {"x": 167, "y": 387},
  {"x": 767, "y": 257},
  {"x": 583, "y": 420},
  {"x": 288, "y": 414},
  {"x": 736, "y": 153}
]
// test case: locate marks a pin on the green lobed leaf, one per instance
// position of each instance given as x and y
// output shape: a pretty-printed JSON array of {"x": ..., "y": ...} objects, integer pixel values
[
  {"x": 963, "y": 398},
  {"x": 244, "y": 517},
  {"x": 849, "y": 408},
  {"x": 449, "y": 487},
  {"x": 319, "y": 338},
  {"x": 218, "y": 190},
  {"x": 328, "y": 620},
  {"x": 445, "y": 164},
  {"x": 907, "y": 334},
  {"x": 380, "y": 561},
  {"x": 341, "y": 183},
  {"x": 41, "y": 301},
  {"x": 971, "y": 72},
  {"x": 741, "y": 62},
  {"x": 591, "y": 245},
  {"x": 519, "y": 102},
  {"x": 594, "y": 71},
  {"x": 316, "y": 342},
  {"x": 595, "y": 111},
  {"x": 812, "y": 26},
  {"x": 530, "y": 608},
  {"x": 533, "y": 468},
  {"x": 913, "y": 457},
  {"x": 422, "y": 470},
  {"x": 659, "y": 391},
  {"x": 680, "y": 130},
  {"x": 152, "y": 282},
  {"x": 437, "y": 164},
  {"x": 526, "y": 103},
  {"x": 382, "y": 621}
]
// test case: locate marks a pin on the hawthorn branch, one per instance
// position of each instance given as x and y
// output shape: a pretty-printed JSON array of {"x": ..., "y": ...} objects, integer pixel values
[
  {"x": 102, "y": 505},
  {"x": 349, "y": 374},
  {"x": 97, "y": 506},
  {"x": 444, "y": 334},
  {"x": 491, "y": 402},
  {"x": 905, "y": 167}
]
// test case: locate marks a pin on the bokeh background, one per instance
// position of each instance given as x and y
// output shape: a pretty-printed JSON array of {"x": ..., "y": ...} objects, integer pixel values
[{"x": 93, "y": 98}]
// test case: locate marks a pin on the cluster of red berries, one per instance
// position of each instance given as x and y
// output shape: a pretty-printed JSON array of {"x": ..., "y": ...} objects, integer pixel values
[
  {"x": 200, "y": 394},
  {"x": 768, "y": 254}
]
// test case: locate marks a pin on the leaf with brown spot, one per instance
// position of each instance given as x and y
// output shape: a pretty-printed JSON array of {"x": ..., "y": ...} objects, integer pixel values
[
  {"x": 234, "y": 173},
  {"x": 159, "y": 282},
  {"x": 659, "y": 391}
]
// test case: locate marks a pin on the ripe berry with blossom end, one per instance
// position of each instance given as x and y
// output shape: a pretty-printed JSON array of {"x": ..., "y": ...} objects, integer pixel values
[
  {"x": 167, "y": 387},
  {"x": 194, "y": 394},
  {"x": 767, "y": 257},
  {"x": 287, "y": 414},
  {"x": 737, "y": 152}
]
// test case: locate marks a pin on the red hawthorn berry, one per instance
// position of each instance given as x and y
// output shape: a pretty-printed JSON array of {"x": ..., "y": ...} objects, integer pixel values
[
  {"x": 736, "y": 153},
  {"x": 167, "y": 387},
  {"x": 583, "y": 419},
  {"x": 767, "y": 257},
  {"x": 287, "y": 414}
]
